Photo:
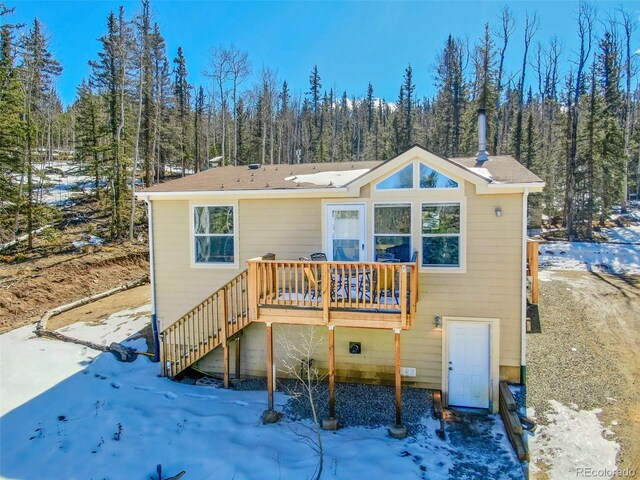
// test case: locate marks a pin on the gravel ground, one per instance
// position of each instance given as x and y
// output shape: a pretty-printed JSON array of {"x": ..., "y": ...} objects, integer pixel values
[
  {"x": 565, "y": 362},
  {"x": 356, "y": 404},
  {"x": 586, "y": 354}
]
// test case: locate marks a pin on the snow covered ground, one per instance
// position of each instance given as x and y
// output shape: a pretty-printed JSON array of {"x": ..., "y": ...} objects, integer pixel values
[
  {"x": 620, "y": 255},
  {"x": 70, "y": 412},
  {"x": 63, "y": 183},
  {"x": 573, "y": 439}
]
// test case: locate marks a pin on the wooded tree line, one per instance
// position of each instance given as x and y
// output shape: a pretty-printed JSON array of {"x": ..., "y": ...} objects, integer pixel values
[{"x": 571, "y": 117}]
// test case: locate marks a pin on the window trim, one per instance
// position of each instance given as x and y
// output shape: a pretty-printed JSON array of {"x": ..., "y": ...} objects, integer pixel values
[
  {"x": 409, "y": 204},
  {"x": 462, "y": 235},
  {"x": 192, "y": 235}
]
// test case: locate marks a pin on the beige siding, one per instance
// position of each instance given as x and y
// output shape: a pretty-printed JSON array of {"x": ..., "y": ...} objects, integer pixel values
[
  {"x": 288, "y": 228},
  {"x": 489, "y": 285}
]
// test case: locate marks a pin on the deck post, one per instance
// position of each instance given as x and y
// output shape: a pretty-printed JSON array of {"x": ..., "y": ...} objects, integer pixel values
[
  {"x": 270, "y": 366},
  {"x": 270, "y": 415},
  {"x": 326, "y": 292},
  {"x": 225, "y": 336},
  {"x": 331, "y": 423},
  {"x": 237, "y": 369},
  {"x": 398, "y": 430},
  {"x": 252, "y": 289},
  {"x": 403, "y": 295}
]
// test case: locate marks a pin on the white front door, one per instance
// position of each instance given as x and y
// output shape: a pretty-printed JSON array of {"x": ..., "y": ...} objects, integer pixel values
[
  {"x": 346, "y": 232},
  {"x": 469, "y": 379}
]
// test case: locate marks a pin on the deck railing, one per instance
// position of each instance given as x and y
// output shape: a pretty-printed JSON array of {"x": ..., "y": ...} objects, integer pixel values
[
  {"x": 370, "y": 287},
  {"x": 203, "y": 328}
]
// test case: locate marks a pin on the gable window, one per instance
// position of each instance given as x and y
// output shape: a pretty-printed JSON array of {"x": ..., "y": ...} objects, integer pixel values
[
  {"x": 392, "y": 232},
  {"x": 430, "y": 178},
  {"x": 401, "y": 179},
  {"x": 214, "y": 234},
  {"x": 440, "y": 234}
]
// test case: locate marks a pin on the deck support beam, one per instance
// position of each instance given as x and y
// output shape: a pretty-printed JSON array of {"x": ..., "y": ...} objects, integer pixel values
[
  {"x": 270, "y": 366},
  {"x": 237, "y": 369},
  {"x": 225, "y": 337},
  {"x": 331, "y": 423},
  {"x": 270, "y": 415},
  {"x": 398, "y": 430}
]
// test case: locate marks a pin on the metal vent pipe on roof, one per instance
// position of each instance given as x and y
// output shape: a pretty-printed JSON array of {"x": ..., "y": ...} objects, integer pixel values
[{"x": 482, "y": 155}]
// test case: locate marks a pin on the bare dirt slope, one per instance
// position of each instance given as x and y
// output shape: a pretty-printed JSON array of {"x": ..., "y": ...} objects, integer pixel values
[
  {"x": 587, "y": 351},
  {"x": 98, "y": 311},
  {"x": 30, "y": 288}
]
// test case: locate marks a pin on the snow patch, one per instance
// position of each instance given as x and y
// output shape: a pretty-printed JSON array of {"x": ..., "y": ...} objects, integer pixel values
[
  {"x": 88, "y": 240},
  {"x": 545, "y": 275},
  {"x": 591, "y": 257},
  {"x": 329, "y": 179},
  {"x": 483, "y": 172},
  {"x": 117, "y": 327},
  {"x": 573, "y": 438},
  {"x": 72, "y": 412},
  {"x": 619, "y": 255}
]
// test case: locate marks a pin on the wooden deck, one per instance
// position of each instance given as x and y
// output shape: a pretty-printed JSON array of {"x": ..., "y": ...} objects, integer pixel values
[
  {"x": 342, "y": 294},
  {"x": 333, "y": 294}
]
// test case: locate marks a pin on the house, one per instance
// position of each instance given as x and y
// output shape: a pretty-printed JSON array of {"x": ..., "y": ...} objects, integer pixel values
[{"x": 424, "y": 281}]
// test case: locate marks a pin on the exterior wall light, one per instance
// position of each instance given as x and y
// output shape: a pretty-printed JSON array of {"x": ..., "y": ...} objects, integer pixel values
[
  {"x": 438, "y": 321},
  {"x": 498, "y": 211}
]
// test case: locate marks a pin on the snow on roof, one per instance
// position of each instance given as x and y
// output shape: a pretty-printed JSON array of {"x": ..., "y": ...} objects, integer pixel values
[
  {"x": 330, "y": 178},
  {"x": 483, "y": 172}
]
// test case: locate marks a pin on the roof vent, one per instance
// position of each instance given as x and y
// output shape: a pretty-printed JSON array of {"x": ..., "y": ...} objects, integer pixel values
[
  {"x": 482, "y": 155},
  {"x": 254, "y": 166}
]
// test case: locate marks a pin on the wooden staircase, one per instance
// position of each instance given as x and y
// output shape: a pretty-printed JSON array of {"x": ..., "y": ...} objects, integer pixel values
[{"x": 213, "y": 322}]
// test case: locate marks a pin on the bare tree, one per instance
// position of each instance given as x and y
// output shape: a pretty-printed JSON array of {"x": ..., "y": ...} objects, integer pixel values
[
  {"x": 239, "y": 70},
  {"x": 296, "y": 353},
  {"x": 268, "y": 104},
  {"x": 629, "y": 26},
  {"x": 586, "y": 21},
  {"x": 507, "y": 28},
  {"x": 530, "y": 29},
  {"x": 220, "y": 72}
]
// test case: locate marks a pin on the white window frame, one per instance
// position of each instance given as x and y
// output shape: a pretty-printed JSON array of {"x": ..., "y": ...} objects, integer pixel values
[
  {"x": 462, "y": 253},
  {"x": 373, "y": 225},
  {"x": 326, "y": 242},
  {"x": 192, "y": 237}
]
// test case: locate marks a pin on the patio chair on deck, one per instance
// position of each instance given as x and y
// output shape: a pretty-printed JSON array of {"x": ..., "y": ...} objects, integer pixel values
[
  {"x": 312, "y": 284},
  {"x": 387, "y": 285},
  {"x": 318, "y": 257}
]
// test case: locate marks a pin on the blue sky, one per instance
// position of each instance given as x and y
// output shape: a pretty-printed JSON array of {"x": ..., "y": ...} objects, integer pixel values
[{"x": 352, "y": 43}]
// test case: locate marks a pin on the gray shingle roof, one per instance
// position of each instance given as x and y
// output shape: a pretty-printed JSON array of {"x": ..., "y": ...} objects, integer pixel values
[{"x": 503, "y": 169}]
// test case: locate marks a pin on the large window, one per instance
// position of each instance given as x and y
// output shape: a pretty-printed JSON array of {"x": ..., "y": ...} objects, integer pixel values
[
  {"x": 430, "y": 178},
  {"x": 401, "y": 179},
  {"x": 392, "y": 232},
  {"x": 441, "y": 234},
  {"x": 214, "y": 234}
]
